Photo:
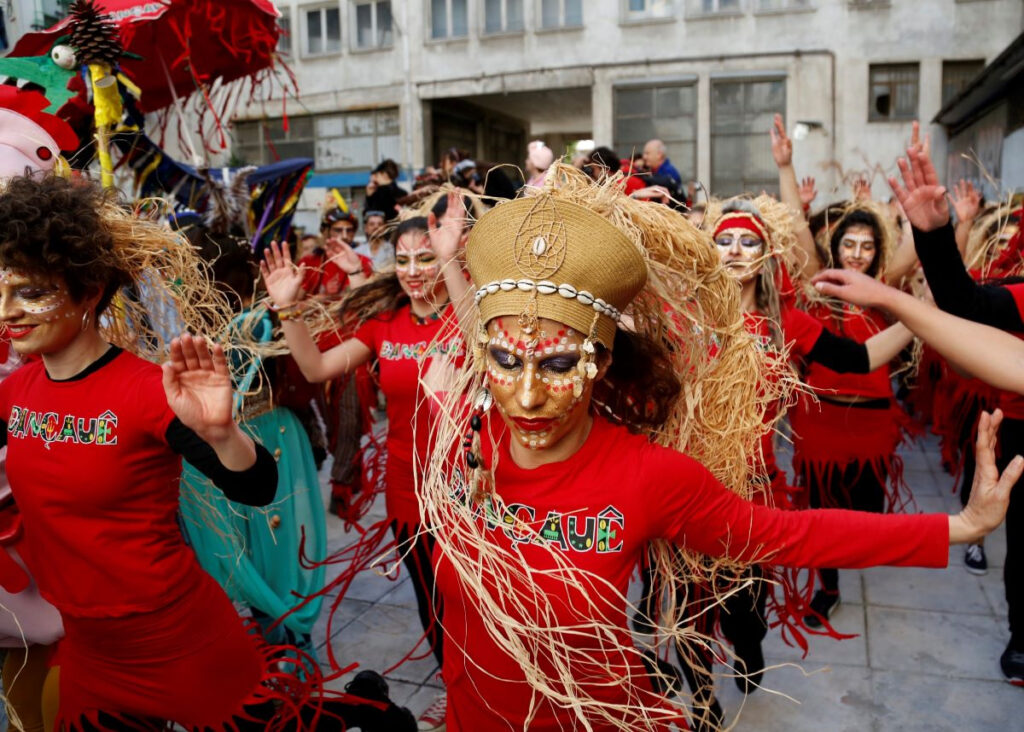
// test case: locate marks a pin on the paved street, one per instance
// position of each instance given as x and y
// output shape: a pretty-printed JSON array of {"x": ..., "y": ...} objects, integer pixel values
[{"x": 926, "y": 655}]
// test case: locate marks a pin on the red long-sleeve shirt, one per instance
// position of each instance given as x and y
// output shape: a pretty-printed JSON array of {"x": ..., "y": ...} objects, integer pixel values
[{"x": 595, "y": 513}]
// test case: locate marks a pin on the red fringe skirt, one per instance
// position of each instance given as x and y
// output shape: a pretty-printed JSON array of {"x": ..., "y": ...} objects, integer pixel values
[{"x": 829, "y": 437}]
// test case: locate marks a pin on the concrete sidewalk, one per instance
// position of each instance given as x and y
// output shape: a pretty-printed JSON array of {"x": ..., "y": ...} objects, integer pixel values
[{"x": 926, "y": 655}]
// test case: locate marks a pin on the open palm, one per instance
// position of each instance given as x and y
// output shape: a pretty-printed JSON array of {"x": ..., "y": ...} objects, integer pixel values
[
  {"x": 921, "y": 196},
  {"x": 198, "y": 386},
  {"x": 446, "y": 235},
  {"x": 282, "y": 279}
]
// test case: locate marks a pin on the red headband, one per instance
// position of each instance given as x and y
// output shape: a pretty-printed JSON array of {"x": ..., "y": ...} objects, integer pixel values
[{"x": 741, "y": 220}]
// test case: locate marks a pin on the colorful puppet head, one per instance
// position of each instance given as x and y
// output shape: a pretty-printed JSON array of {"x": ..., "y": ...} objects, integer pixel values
[{"x": 30, "y": 138}]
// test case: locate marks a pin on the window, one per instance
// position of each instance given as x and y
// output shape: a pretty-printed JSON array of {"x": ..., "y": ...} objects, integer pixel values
[
  {"x": 449, "y": 19},
  {"x": 265, "y": 141},
  {"x": 893, "y": 92},
  {"x": 767, "y": 6},
  {"x": 373, "y": 24},
  {"x": 503, "y": 16},
  {"x": 956, "y": 75},
  {"x": 342, "y": 141},
  {"x": 284, "y": 41},
  {"x": 561, "y": 13},
  {"x": 713, "y": 7},
  {"x": 49, "y": 12},
  {"x": 741, "y": 150},
  {"x": 323, "y": 31},
  {"x": 665, "y": 112},
  {"x": 643, "y": 9}
]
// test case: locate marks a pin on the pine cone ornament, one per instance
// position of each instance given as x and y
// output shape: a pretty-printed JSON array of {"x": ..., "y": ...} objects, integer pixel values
[{"x": 94, "y": 36}]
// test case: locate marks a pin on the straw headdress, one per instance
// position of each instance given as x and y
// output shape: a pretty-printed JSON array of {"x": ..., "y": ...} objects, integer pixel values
[{"x": 541, "y": 257}]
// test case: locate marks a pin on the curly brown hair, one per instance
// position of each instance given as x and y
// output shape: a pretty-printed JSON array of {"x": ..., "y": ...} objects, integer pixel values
[{"x": 52, "y": 226}]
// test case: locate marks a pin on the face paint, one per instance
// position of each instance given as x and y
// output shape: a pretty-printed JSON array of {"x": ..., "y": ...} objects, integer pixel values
[
  {"x": 417, "y": 266},
  {"x": 741, "y": 252},
  {"x": 857, "y": 248},
  {"x": 37, "y": 312},
  {"x": 531, "y": 378}
]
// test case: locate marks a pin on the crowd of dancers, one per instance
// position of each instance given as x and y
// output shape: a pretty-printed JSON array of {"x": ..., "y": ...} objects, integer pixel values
[{"x": 582, "y": 382}]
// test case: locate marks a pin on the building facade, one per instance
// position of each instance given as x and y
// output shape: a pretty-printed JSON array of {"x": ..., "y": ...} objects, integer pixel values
[{"x": 411, "y": 79}]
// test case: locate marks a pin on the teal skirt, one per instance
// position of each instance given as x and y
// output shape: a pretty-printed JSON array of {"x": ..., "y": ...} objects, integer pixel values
[{"x": 254, "y": 552}]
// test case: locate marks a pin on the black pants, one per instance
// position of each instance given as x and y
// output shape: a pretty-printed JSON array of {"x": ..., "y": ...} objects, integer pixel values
[
  {"x": 741, "y": 617},
  {"x": 857, "y": 487},
  {"x": 1011, "y": 442},
  {"x": 417, "y": 558}
]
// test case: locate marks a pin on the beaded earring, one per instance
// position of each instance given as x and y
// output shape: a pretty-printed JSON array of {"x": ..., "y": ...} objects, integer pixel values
[{"x": 471, "y": 445}]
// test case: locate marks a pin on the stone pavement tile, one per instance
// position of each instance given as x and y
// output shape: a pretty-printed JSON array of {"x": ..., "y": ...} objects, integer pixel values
[
  {"x": 919, "y": 703},
  {"x": 347, "y": 611},
  {"x": 402, "y": 594},
  {"x": 837, "y": 699},
  {"x": 849, "y": 584},
  {"x": 370, "y": 586},
  {"x": 947, "y": 645},
  {"x": 951, "y": 589},
  {"x": 380, "y": 638},
  {"x": 848, "y": 619},
  {"x": 995, "y": 592},
  {"x": 937, "y": 504},
  {"x": 916, "y": 460},
  {"x": 995, "y": 548}
]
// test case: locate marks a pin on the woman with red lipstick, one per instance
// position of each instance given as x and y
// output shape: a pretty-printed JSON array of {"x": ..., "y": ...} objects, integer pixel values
[
  {"x": 401, "y": 317},
  {"x": 845, "y": 435},
  {"x": 542, "y": 510},
  {"x": 95, "y": 433}
]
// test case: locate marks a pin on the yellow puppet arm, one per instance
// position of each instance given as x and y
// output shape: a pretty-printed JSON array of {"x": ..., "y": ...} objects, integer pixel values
[{"x": 106, "y": 101}]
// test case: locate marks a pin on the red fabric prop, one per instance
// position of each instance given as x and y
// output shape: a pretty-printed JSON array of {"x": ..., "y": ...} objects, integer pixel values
[{"x": 196, "y": 41}]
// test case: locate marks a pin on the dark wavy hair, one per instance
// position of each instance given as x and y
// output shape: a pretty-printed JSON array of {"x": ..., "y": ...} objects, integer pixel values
[
  {"x": 858, "y": 218},
  {"x": 640, "y": 385},
  {"x": 53, "y": 227}
]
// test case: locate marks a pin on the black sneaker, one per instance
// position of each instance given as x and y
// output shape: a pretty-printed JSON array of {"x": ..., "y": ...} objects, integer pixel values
[
  {"x": 1012, "y": 662},
  {"x": 823, "y": 604},
  {"x": 666, "y": 678},
  {"x": 974, "y": 559},
  {"x": 749, "y": 666}
]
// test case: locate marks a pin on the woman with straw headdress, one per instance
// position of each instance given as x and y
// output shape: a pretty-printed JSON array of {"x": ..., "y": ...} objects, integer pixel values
[
  {"x": 542, "y": 510},
  {"x": 752, "y": 239},
  {"x": 401, "y": 316},
  {"x": 96, "y": 433},
  {"x": 847, "y": 429}
]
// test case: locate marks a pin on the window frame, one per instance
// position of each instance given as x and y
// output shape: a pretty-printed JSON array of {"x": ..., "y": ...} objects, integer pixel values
[
  {"x": 694, "y": 9},
  {"x": 484, "y": 33},
  {"x": 948, "y": 63},
  {"x": 354, "y": 46},
  {"x": 322, "y": 9},
  {"x": 687, "y": 81},
  {"x": 541, "y": 28},
  {"x": 788, "y": 6},
  {"x": 635, "y": 17},
  {"x": 285, "y": 42},
  {"x": 873, "y": 115},
  {"x": 449, "y": 16},
  {"x": 770, "y": 181}
]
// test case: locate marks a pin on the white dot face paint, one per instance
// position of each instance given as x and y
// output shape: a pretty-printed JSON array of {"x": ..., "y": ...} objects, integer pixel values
[
  {"x": 531, "y": 376},
  {"x": 37, "y": 312},
  {"x": 418, "y": 267}
]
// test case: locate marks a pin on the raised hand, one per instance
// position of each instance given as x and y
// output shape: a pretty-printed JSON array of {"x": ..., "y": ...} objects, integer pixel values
[
  {"x": 807, "y": 191},
  {"x": 966, "y": 200},
  {"x": 283, "y": 279},
  {"x": 198, "y": 387},
  {"x": 990, "y": 492},
  {"x": 853, "y": 287},
  {"x": 921, "y": 196},
  {"x": 782, "y": 146},
  {"x": 445, "y": 237},
  {"x": 861, "y": 190},
  {"x": 915, "y": 138},
  {"x": 343, "y": 255}
]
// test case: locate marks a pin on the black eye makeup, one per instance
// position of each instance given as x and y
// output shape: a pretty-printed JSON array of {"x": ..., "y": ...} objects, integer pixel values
[
  {"x": 504, "y": 359},
  {"x": 560, "y": 364}
]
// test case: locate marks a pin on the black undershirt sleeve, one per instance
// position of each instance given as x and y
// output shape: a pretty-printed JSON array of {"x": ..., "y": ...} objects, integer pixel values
[
  {"x": 255, "y": 486},
  {"x": 952, "y": 286},
  {"x": 842, "y": 355},
  {"x": 3, "y": 434}
]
